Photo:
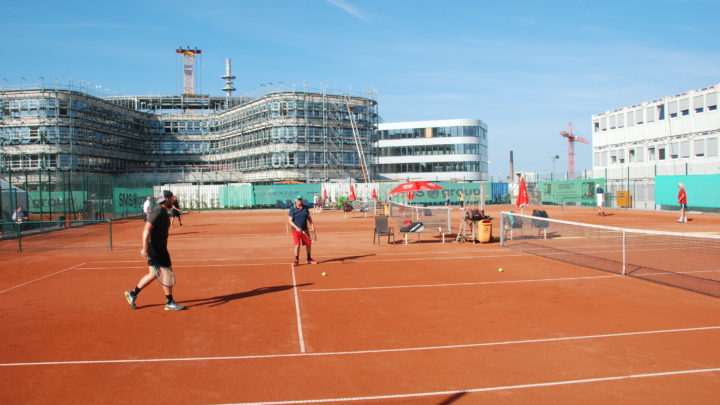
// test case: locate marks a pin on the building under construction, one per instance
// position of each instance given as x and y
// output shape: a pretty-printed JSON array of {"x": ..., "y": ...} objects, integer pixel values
[{"x": 286, "y": 135}]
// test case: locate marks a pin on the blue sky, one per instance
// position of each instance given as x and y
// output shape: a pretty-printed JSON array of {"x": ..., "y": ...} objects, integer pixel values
[{"x": 525, "y": 68}]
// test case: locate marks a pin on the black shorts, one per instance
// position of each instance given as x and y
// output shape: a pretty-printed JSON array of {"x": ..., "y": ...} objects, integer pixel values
[
  {"x": 158, "y": 257},
  {"x": 683, "y": 206},
  {"x": 175, "y": 213}
]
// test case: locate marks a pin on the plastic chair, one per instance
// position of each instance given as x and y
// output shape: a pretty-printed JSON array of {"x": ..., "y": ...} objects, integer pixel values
[{"x": 383, "y": 229}]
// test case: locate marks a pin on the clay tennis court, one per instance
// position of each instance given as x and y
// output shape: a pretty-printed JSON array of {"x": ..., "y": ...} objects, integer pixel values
[{"x": 423, "y": 323}]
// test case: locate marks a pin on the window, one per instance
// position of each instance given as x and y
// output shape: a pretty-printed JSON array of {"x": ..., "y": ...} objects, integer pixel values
[
  {"x": 699, "y": 104},
  {"x": 621, "y": 120},
  {"x": 603, "y": 124},
  {"x": 661, "y": 153},
  {"x": 613, "y": 157},
  {"x": 674, "y": 150},
  {"x": 639, "y": 156},
  {"x": 613, "y": 119},
  {"x": 596, "y": 125},
  {"x": 621, "y": 156},
  {"x": 699, "y": 147},
  {"x": 630, "y": 118},
  {"x": 685, "y": 107},
  {"x": 685, "y": 149},
  {"x": 661, "y": 112},
  {"x": 639, "y": 116},
  {"x": 651, "y": 154},
  {"x": 711, "y": 147},
  {"x": 631, "y": 155},
  {"x": 711, "y": 101},
  {"x": 650, "y": 114},
  {"x": 673, "y": 109}
]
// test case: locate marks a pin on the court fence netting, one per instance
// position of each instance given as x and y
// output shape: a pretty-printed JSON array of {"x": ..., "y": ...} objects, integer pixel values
[
  {"x": 434, "y": 219},
  {"x": 684, "y": 260},
  {"x": 363, "y": 208}
]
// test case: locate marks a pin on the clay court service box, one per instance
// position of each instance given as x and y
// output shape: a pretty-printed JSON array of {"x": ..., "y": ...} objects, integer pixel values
[{"x": 623, "y": 199}]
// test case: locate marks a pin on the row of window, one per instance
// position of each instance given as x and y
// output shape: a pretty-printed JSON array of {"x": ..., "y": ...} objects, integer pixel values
[
  {"x": 675, "y": 150},
  {"x": 701, "y": 104},
  {"x": 430, "y": 150},
  {"x": 439, "y": 132},
  {"x": 432, "y": 167}
]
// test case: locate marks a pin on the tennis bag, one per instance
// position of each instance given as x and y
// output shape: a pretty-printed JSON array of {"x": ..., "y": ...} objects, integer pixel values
[
  {"x": 413, "y": 227},
  {"x": 538, "y": 223}
]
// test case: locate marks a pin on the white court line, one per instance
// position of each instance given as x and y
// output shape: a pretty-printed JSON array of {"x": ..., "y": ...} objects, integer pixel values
[
  {"x": 459, "y": 284},
  {"x": 485, "y": 389},
  {"x": 41, "y": 278},
  {"x": 297, "y": 311},
  {"x": 399, "y": 350}
]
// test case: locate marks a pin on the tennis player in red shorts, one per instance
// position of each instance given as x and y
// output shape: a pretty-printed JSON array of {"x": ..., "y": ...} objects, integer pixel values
[{"x": 299, "y": 218}]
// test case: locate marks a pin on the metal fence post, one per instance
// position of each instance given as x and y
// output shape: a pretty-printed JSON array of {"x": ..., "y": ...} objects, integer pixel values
[
  {"x": 110, "y": 225},
  {"x": 624, "y": 255},
  {"x": 502, "y": 229}
]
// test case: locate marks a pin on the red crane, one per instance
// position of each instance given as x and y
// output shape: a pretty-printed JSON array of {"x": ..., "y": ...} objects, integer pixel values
[{"x": 571, "y": 149}]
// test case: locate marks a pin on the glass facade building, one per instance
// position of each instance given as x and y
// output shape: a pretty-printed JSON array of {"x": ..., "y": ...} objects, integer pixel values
[
  {"x": 442, "y": 150},
  {"x": 279, "y": 136}
]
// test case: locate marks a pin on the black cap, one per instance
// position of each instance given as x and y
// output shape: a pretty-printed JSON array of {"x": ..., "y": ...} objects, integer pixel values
[{"x": 166, "y": 194}]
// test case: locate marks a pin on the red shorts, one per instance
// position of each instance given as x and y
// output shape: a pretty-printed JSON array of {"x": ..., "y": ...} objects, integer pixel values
[{"x": 301, "y": 238}]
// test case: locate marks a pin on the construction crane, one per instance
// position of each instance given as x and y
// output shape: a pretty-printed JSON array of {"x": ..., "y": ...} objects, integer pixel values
[
  {"x": 188, "y": 69},
  {"x": 571, "y": 149}
]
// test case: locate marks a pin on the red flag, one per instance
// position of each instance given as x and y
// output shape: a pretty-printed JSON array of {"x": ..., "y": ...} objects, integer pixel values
[
  {"x": 374, "y": 195},
  {"x": 352, "y": 193},
  {"x": 523, "y": 199},
  {"x": 325, "y": 194}
]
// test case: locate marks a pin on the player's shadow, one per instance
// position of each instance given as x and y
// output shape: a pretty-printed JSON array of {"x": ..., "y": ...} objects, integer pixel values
[
  {"x": 342, "y": 259},
  {"x": 452, "y": 398},
  {"x": 224, "y": 299}
]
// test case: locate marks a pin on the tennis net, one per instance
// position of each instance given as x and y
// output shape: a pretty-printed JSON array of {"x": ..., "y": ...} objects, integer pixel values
[
  {"x": 684, "y": 260},
  {"x": 434, "y": 219},
  {"x": 364, "y": 207}
]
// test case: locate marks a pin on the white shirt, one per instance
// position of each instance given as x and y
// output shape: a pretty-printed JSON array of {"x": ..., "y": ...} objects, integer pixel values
[{"x": 147, "y": 207}]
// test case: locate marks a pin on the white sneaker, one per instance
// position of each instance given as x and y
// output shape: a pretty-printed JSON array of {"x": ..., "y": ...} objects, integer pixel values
[
  {"x": 174, "y": 306},
  {"x": 130, "y": 299}
]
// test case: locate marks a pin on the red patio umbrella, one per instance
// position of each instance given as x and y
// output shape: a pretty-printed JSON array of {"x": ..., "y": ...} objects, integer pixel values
[
  {"x": 352, "y": 193},
  {"x": 374, "y": 194},
  {"x": 415, "y": 186},
  {"x": 523, "y": 199}
]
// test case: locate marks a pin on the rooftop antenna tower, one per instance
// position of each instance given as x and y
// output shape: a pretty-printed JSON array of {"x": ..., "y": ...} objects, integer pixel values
[
  {"x": 188, "y": 69},
  {"x": 571, "y": 149},
  {"x": 228, "y": 89}
]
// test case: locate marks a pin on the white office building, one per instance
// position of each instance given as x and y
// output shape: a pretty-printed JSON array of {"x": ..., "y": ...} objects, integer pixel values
[
  {"x": 673, "y": 135},
  {"x": 441, "y": 150}
]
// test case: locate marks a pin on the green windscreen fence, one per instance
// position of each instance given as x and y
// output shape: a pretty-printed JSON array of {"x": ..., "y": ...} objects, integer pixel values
[
  {"x": 703, "y": 191},
  {"x": 128, "y": 201},
  {"x": 580, "y": 191},
  {"x": 280, "y": 194},
  {"x": 236, "y": 196}
]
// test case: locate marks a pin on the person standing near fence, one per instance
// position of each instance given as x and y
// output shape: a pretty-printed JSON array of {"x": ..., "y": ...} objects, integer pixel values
[
  {"x": 600, "y": 196},
  {"x": 317, "y": 203},
  {"x": 175, "y": 212},
  {"x": 682, "y": 200},
  {"x": 154, "y": 250},
  {"x": 299, "y": 218},
  {"x": 19, "y": 215},
  {"x": 147, "y": 208},
  {"x": 462, "y": 199}
]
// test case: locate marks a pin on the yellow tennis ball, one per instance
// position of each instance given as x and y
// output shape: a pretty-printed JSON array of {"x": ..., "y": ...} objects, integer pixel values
[
  {"x": 324, "y": 274},
  {"x": 500, "y": 270}
]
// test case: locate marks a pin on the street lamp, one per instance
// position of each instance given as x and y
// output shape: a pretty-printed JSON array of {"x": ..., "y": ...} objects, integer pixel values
[{"x": 554, "y": 158}]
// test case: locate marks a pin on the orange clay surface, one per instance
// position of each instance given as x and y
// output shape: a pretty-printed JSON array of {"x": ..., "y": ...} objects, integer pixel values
[{"x": 423, "y": 323}]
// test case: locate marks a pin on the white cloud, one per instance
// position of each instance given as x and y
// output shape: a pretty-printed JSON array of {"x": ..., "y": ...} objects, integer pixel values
[{"x": 350, "y": 9}]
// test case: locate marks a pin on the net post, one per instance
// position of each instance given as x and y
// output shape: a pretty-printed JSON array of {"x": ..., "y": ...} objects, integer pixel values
[
  {"x": 110, "y": 227},
  {"x": 502, "y": 229},
  {"x": 623, "y": 253},
  {"x": 19, "y": 236}
]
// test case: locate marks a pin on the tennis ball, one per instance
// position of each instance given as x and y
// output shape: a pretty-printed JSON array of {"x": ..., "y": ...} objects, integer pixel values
[
  {"x": 324, "y": 274},
  {"x": 500, "y": 270}
]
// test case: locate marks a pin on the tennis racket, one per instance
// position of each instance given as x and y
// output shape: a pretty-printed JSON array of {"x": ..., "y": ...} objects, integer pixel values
[{"x": 165, "y": 276}]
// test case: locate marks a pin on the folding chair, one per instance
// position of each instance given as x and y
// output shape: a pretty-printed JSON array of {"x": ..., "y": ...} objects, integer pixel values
[{"x": 383, "y": 229}]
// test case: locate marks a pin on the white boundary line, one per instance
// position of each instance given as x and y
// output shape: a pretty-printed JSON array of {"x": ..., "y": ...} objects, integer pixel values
[
  {"x": 461, "y": 284},
  {"x": 301, "y": 338},
  {"x": 41, "y": 278},
  {"x": 406, "y": 349},
  {"x": 485, "y": 389}
]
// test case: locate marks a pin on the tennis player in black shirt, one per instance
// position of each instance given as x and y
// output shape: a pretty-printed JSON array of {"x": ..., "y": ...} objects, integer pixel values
[{"x": 154, "y": 249}]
